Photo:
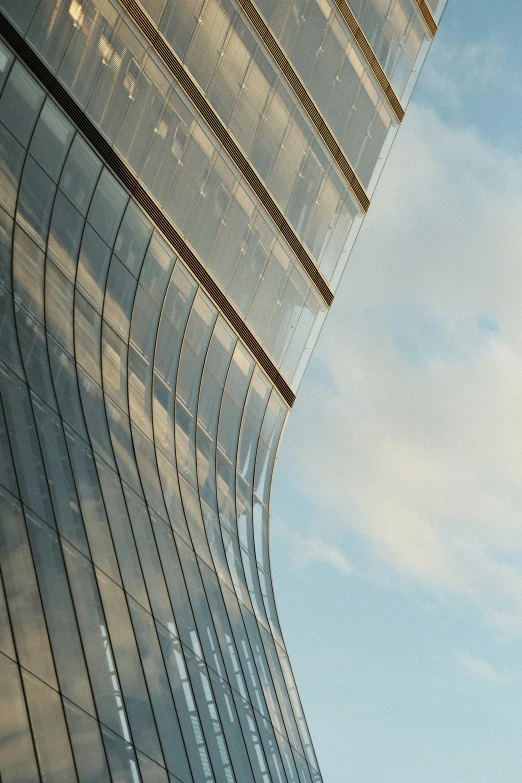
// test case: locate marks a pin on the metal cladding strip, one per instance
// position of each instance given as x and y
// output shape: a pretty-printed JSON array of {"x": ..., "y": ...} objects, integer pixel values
[
  {"x": 308, "y": 104},
  {"x": 200, "y": 102},
  {"x": 371, "y": 59},
  {"x": 149, "y": 206},
  {"x": 427, "y": 17}
]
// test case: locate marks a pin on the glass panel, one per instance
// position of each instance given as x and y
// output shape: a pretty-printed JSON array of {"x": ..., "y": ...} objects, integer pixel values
[
  {"x": 240, "y": 371},
  {"x": 91, "y": 504},
  {"x": 107, "y": 206},
  {"x": 65, "y": 234},
  {"x": 119, "y": 426},
  {"x": 149, "y": 557},
  {"x": 195, "y": 740},
  {"x": 133, "y": 237},
  {"x": 180, "y": 295},
  {"x": 144, "y": 327},
  {"x": 130, "y": 672},
  {"x": 274, "y": 419},
  {"x": 31, "y": 336},
  {"x": 117, "y": 83},
  {"x": 114, "y": 365},
  {"x": 24, "y": 443},
  {"x": 257, "y": 398},
  {"x": 59, "y": 612},
  {"x": 157, "y": 268},
  {"x": 88, "y": 751},
  {"x": 95, "y": 416},
  {"x": 189, "y": 183},
  {"x": 17, "y": 760},
  {"x": 167, "y": 354},
  {"x": 200, "y": 324},
  {"x": 122, "y": 758},
  {"x": 93, "y": 267},
  {"x": 250, "y": 271},
  {"x": 7, "y": 471},
  {"x": 61, "y": 482},
  {"x": 189, "y": 375},
  {"x": 167, "y": 146},
  {"x": 228, "y": 431},
  {"x": 6, "y": 236},
  {"x": 90, "y": 48},
  {"x": 220, "y": 350},
  {"x": 207, "y": 43},
  {"x": 96, "y": 643},
  {"x": 59, "y": 299},
  {"x": 246, "y": 452},
  {"x": 140, "y": 392},
  {"x": 229, "y": 249},
  {"x": 87, "y": 333},
  {"x": 119, "y": 298},
  {"x": 20, "y": 104},
  {"x": 143, "y": 114},
  {"x": 121, "y": 530},
  {"x": 51, "y": 29},
  {"x": 209, "y": 403},
  {"x": 35, "y": 201},
  {"x": 64, "y": 376},
  {"x": 12, "y": 156},
  {"x": 212, "y": 208},
  {"x": 23, "y": 598},
  {"x": 148, "y": 471},
  {"x": 269, "y": 291},
  {"x": 51, "y": 140},
  {"x": 80, "y": 174},
  {"x": 8, "y": 337},
  {"x": 160, "y": 694}
]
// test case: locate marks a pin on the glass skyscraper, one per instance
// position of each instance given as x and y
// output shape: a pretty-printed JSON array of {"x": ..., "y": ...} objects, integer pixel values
[{"x": 181, "y": 182}]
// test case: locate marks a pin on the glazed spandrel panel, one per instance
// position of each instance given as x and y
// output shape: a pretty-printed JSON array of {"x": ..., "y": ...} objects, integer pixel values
[
  {"x": 314, "y": 38},
  {"x": 128, "y": 93}
]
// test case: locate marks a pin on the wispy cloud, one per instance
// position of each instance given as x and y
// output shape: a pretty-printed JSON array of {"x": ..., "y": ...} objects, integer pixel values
[
  {"x": 477, "y": 667},
  {"x": 476, "y": 66},
  {"x": 305, "y": 550}
]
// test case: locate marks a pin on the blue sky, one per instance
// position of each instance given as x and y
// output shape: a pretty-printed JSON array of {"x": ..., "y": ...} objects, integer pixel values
[{"x": 397, "y": 500}]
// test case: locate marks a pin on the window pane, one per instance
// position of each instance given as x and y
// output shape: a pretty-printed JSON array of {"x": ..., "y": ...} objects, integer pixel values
[
  {"x": 17, "y": 760},
  {"x": 65, "y": 235},
  {"x": 20, "y": 104},
  {"x": 51, "y": 140},
  {"x": 22, "y": 594},
  {"x": 59, "y": 613},
  {"x": 12, "y": 156},
  {"x": 87, "y": 746},
  {"x": 80, "y": 174},
  {"x": 49, "y": 731},
  {"x": 107, "y": 206}
]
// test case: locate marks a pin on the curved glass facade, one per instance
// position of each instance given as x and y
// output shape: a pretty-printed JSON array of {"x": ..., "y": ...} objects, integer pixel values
[{"x": 142, "y": 402}]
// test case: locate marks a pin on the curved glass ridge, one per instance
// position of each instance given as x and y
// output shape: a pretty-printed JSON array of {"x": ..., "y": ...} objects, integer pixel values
[{"x": 138, "y": 439}]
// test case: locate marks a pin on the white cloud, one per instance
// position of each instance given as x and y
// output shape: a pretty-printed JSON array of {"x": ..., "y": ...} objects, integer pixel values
[
  {"x": 307, "y": 550},
  {"x": 481, "y": 669},
  {"x": 478, "y": 65},
  {"x": 413, "y": 435}
]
